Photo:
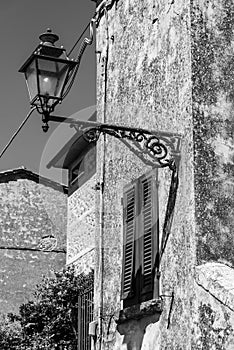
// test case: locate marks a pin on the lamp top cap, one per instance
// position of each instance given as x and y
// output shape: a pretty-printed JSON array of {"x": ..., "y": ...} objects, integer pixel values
[{"x": 48, "y": 38}]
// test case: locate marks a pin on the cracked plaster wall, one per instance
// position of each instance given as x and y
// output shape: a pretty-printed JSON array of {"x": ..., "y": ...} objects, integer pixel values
[{"x": 214, "y": 312}]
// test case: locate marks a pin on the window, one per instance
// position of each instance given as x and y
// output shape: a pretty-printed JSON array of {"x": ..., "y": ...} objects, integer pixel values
[
  {"x": 85, "y": 316},
  {"x": 140, "y": 205},
  {"x": 82, "y": 170}
]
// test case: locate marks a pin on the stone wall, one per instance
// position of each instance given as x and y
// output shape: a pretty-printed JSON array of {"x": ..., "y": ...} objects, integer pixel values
[
  {"x": 166, "y": 65},
  {"x": 32, "y": 210}
]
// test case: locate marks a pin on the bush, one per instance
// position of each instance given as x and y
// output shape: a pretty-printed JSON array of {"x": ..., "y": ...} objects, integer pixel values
[{"x": 49, "y": 321}]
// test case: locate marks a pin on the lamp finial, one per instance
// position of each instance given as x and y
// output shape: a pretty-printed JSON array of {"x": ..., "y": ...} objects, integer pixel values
[{"x": 48, "y": 38}]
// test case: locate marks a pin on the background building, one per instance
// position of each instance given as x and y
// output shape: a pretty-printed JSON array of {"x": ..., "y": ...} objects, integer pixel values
[
  {"x": 79, "y": 158},
  {"x": 33, "y": 218}
]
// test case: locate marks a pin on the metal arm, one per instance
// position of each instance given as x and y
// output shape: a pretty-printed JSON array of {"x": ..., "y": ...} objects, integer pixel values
[{"x": 161, "y": 148}]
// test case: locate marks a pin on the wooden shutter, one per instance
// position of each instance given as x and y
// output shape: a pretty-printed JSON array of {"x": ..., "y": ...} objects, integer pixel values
[
  {"x": 149, "y": 226},
  {"x": 140, "y": 203},
  {"x": 129, "y": 226}
]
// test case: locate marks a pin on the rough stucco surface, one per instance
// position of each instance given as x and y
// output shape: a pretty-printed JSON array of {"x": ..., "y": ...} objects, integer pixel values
[
  {"x": 81, "y": 226},
  {"x": 212, "y": 68},
  {"x": 218, "y": 279},
  {"x": 214, "y": 311},
  {"x": 29, "y": 211},
  {"x": 167, "y": 65}
]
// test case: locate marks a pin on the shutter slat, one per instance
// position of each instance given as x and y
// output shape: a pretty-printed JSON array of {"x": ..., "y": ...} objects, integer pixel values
[
  {"x": 147, "y": 229},
  {"x": 129, "y": 235}
]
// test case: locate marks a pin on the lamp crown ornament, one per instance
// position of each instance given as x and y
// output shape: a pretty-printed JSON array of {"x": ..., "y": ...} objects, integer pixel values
[{"x": 48, "y": 38}]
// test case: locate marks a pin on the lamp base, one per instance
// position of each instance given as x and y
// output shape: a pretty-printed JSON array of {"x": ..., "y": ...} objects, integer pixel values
[{"x": 45, "y": 120}]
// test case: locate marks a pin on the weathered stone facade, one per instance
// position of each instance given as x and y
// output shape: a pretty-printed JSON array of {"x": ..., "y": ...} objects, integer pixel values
[
  {"x": 32, "y": 210},
  {"x": 167, "y": 66}
]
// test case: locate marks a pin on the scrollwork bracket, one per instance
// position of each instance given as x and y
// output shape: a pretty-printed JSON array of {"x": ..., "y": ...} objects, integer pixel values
[{"x": 160, "y": 148}]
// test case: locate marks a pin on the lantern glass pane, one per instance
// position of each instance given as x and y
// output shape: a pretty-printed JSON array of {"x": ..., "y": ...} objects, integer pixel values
[
  {"x": 52, "y": 75},
  {"x": 31, "y": 80}
]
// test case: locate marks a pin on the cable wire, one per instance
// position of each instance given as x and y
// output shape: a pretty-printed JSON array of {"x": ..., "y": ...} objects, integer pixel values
[
  {"x": 81, "y": 35},
  {"x": 16, "y": 133},
  {"x": 85, "y": 43}
]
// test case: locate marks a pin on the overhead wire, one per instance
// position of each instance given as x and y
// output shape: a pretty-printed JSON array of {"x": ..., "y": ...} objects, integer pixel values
[
  {"x": 17, "y": 131},
  {"x": 85, "y": 43},
  {"x": 80, "y": 37}
]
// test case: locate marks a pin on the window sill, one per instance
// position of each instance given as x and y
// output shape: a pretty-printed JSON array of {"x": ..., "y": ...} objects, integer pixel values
[{"x": 136, "y": 312}]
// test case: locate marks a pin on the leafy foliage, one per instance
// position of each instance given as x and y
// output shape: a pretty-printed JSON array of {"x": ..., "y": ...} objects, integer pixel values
[
  {"x": 50, "y": 320},
  {"x": 10, "y": 332}
]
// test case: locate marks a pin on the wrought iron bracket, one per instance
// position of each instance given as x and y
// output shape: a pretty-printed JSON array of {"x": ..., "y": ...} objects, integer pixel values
[{"x": 161, "y": 149}]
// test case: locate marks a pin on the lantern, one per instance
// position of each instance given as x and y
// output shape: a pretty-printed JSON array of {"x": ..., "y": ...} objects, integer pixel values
[{"x": 47, "y": 73}]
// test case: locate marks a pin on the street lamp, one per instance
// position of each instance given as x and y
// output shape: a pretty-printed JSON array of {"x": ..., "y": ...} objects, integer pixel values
[{"x": 49, "y": 74}]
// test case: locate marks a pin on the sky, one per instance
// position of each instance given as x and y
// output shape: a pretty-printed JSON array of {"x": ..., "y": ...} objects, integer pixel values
[{"x": 21, "y": 23}]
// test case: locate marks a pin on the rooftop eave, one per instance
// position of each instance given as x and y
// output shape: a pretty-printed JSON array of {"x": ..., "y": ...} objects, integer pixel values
[{"x": 23, "y": 173}]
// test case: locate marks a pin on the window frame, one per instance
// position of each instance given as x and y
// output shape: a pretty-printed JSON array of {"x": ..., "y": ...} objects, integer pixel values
[{"x": 87, "y": 171}]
